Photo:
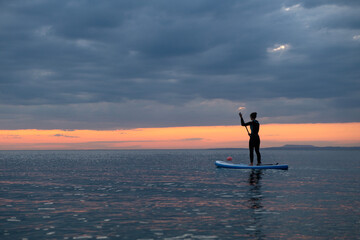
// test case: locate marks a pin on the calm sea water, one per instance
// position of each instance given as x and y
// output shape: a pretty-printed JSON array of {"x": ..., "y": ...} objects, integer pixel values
[{"x": 163, "y": 194}]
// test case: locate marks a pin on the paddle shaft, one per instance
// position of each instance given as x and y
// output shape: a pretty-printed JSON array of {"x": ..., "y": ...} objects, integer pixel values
[
  {"x": 246, "y": 127},
  {"x": 247, "y": 130}
]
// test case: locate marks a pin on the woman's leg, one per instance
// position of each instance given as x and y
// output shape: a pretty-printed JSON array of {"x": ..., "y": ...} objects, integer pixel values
[
  {"x": 251, "y": 149},
  {"x": 257, "y": 151}
]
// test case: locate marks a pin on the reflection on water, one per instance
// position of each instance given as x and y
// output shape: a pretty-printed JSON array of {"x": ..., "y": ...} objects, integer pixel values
[
  {"x": 255, "y": 203},
  {"x": 174, "y": 195},
  {"x": 255, "y": 189}
]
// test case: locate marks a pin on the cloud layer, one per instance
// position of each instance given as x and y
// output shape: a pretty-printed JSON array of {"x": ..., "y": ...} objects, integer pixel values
[{"x": 127, "y": 64}]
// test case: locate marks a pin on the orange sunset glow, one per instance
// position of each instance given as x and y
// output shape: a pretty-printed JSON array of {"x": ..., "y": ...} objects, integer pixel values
[{"x": 321, "y": 134}]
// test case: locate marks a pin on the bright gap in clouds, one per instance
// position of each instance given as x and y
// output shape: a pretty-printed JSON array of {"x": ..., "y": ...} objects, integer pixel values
[
  {"x": 279, "y": 48},
  {"x": 291, "y": 8}
]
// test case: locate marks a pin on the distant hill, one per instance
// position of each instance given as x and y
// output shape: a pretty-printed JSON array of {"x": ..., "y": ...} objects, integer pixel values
[
  {"x": 310, "y": 147},
  {"x": 296, "y": 147}
]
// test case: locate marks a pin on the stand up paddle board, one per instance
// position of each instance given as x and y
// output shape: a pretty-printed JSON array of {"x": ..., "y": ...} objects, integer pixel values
[{"x": 223, "y": 164}]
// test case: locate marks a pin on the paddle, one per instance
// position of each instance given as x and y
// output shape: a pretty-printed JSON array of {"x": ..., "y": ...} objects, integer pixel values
[
  {"x": 245, "y": 126},
  {"x": 247, "y": 131}
]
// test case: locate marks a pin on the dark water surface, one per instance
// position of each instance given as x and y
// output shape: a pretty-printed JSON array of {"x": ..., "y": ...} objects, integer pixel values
[{"x": 178, "y": 194}]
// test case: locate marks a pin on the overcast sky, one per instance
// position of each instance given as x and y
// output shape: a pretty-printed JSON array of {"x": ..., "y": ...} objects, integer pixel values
[{"x": 150, "y": 63}]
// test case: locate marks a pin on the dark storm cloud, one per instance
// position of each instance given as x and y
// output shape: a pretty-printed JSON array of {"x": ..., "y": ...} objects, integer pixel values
[{"x": 123, "y": 64}]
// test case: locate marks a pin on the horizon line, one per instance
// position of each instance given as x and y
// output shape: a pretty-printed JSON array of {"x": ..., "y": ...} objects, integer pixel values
[{"x": 284, "y": 147}]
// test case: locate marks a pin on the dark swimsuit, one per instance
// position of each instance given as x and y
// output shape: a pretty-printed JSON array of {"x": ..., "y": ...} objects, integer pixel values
[{"x": 254, "y": 142}]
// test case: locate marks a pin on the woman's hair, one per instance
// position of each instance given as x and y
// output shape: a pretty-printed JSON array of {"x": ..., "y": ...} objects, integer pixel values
[{"x": 253, "y": 115}]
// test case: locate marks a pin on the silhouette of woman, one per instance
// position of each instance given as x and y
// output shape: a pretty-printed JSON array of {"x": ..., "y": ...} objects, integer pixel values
[{"x": 254, "y": 142}]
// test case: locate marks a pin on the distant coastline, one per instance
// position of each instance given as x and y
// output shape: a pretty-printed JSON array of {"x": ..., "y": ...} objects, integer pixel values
[
  {"x": 285, "y": 147},
  {"x": 296, "y": 147}
]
